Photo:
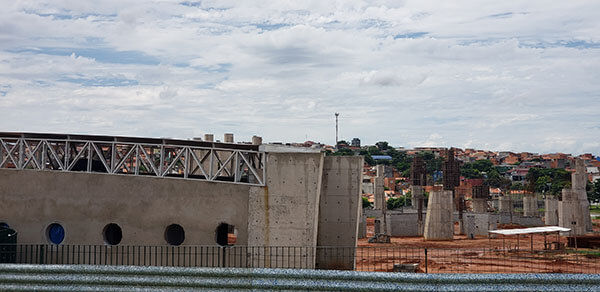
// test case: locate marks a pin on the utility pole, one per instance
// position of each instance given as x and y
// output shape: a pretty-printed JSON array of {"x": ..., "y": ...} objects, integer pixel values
[{"x": 336, "y": 129}]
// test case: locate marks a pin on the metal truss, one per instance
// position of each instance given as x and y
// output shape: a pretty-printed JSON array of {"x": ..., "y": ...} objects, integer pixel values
[{"x": 219, "y": 162}]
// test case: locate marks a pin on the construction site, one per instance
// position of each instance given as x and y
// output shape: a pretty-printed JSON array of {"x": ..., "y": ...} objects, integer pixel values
[{"x": 104, "y": 200}]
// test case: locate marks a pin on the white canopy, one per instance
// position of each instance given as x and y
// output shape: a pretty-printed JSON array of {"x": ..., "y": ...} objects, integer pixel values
[{"x": 545, "y": 229}]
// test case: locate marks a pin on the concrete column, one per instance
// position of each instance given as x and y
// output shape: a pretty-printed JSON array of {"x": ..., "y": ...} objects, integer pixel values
[
  {"x": 530, "y": 207},
  {"x": 256, "y": 140},
  {"x": 362, "y": 227},
  {"x": 570, "y": 214},
  {"x": 209, "y": 137},
  {"x": 380, "y": 170},
  {"x": 551, "y": 211},
  {"x": 416, "y": 193},
  {"x": 228, "y": 138},
  {"x": 480, "y": 205},
  {"x": 438, "y": 221},
  {"x": 379, "y": 195},
  {"x": 504, "y": 204}
]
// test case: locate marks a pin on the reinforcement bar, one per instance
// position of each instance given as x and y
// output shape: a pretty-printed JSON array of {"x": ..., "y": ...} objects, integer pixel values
[{"x": 134, "y": 278}]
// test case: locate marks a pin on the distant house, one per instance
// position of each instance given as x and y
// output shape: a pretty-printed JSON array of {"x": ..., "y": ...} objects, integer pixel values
[{"x": 518, "y": 174}]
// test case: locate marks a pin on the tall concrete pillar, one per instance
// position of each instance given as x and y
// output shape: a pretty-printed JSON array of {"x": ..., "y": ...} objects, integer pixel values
[
  {"x": 574, "y": 209},
  {"x": 569, "y": 213},
  {"x": 504, "y": 204},
  {"x": 438, "y": 221},
  {"x": 551, "y": 211},
  {"x": 209, "y": 137},
  {"x": 228, "y": 138},
  {"x": 256, "y": 140},
  {"x": 530, "y": 206},
  {"x": 416, "y": 193},
  {"x": 379, "y": 195},
  {"x": 480, "y": 205}
]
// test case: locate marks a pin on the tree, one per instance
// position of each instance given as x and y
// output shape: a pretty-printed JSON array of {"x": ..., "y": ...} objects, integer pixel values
[
  {"x": 344, "y": 152},
  {"x": 594, "y": 192},
  {"x": 395, "y": 203},
  {"x": 382, "y": 145},
  {"x": 365, "y": 202},
  {"x": 557, "y": 178},
  {"x": 543, "y": 184},
  {"x": 517, "y": 186},
  {"x": 374, "y": 150}
]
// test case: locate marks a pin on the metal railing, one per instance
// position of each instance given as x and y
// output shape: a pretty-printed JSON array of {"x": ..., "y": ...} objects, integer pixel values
[
  {"x": 187, "y": 159},
  {"x": 136, "y": 278},
  {"x": 384, "y": 259}
]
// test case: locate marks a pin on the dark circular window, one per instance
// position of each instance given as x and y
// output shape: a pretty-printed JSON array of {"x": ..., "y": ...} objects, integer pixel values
[
  {"x": 174, "y": 234},
  {"x": 112, "y": 234},
  {"x": 225, "y": 234},
  {"x": 55, "y": 233}
]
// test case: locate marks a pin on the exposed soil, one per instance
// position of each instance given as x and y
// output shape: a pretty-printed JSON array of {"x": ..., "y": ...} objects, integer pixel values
[{"x": 513, "y": 254}]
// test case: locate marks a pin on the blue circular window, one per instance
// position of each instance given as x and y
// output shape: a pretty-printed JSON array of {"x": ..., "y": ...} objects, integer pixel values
[{"x": 55, "y": 233}]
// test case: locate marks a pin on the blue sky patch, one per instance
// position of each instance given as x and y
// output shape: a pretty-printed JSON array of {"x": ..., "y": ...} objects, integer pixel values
[
  {"x": 411, "y": 35},
  {"x": 101, "y": 81},
  {"x": 102, "y": 55}
]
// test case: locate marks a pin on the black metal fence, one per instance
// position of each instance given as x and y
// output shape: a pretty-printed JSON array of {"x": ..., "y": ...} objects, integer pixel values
[{"x": 426, "y": 260}]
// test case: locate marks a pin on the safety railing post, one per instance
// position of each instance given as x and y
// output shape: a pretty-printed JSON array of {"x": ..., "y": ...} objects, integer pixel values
[{"x": 426, "y": 270}]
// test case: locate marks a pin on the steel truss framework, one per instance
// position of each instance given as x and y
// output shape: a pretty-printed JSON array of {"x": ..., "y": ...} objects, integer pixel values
[{"x": 219, "y": 162}]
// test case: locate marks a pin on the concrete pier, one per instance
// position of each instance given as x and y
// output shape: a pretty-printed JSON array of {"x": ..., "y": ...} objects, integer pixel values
[
  {"x": 530, "y": 207},
  {"x": 438, "y": 221},
  {"x": 504, "y": 204},
  {"x": 479, "y": 205},
  {"x": 551, "y": 211},
  {"x": 574, "y": 208}
]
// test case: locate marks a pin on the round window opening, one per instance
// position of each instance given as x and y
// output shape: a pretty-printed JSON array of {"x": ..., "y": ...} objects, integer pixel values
[
  {"x": 55, "y": 233},
  {"x": 226, "y": 234},
  {"x": 112, "y": 234},
  {"x": 174, "y": 234}
]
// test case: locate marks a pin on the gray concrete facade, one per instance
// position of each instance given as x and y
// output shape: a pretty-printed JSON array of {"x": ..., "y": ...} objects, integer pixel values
[{"x": 284, "y": 212}]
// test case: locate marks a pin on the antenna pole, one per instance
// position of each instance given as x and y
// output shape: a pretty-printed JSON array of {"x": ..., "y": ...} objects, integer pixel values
[{"x": 336, "y": 129}]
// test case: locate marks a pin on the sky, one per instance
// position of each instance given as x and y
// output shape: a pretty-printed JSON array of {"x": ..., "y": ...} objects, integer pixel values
[{"x": 494, "y": 75}]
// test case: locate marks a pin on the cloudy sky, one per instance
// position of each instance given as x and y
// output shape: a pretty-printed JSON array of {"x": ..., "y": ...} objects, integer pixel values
[{"x": 498, "y": 75}]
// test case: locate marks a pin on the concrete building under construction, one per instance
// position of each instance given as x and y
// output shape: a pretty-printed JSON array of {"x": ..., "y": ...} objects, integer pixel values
[{"x": 107, "y": 190}]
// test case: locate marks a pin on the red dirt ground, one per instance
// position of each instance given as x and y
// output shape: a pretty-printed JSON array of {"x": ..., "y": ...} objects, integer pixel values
[{"x": 479, "y": 255}]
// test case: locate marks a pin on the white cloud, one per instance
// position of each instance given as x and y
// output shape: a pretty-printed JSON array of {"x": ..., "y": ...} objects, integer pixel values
[{"x": 485, "y": 74}]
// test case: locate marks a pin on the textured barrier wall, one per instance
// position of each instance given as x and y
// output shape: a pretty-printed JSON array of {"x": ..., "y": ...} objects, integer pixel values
[{"x": 128, "y": 278}]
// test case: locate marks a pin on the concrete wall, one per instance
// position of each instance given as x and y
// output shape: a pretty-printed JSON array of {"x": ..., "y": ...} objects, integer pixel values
[
  {"x": 339, "y": 209},
  {"x": 478, "y": 224},
  {"x": 143, "y": 207},
  {"x": 285, "y": 213},
  {"x": 403, "y": 224}
]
